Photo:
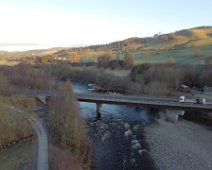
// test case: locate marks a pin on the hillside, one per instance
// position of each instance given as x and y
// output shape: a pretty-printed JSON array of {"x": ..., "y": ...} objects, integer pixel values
[
  {"x": 13, "y": 58},
  {"x": 30, "y": 53},
  {"x": 188, "y": 46}
]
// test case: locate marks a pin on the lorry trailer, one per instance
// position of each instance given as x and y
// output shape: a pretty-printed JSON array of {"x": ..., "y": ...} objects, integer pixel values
[{"x": 184, "y": 99}]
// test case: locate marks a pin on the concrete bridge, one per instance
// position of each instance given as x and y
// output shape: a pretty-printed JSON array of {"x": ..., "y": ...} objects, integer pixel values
[{"x": 171, "y": 107}]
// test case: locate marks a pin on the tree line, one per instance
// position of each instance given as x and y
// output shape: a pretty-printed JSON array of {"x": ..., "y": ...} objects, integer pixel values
[
  {"x": 106, "y": 61},
  {"x": 67, "y": 131},
  {"x": 146, "y": 79},
  {"x": 22, "y": 76},
  {"x": 166, "y": 79}
]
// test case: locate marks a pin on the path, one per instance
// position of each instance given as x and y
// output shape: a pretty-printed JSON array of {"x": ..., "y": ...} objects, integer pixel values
[
  {"x": 42, "y": 157},
  {"x": 42, "y": 161}
]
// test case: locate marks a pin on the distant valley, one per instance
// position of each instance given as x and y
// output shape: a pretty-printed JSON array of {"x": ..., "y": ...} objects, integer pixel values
[{"x": 188, "y": 46}]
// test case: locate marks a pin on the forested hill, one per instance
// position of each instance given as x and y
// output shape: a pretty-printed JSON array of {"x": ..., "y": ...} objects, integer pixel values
[
  {"x": 188, "y": 46},
  {"x": 194, "y": 37}
]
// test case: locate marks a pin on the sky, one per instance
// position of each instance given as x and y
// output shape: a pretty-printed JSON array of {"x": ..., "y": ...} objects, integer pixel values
[{"x": 33, "y": 24}]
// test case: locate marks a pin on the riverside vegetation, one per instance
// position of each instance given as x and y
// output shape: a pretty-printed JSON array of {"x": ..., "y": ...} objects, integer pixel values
[
  {"x": 14, "y": 127},
  {"x": 172, "y": 60},
  {"x": 144, "y": 79},
  {"x": 67, "y": 134}
]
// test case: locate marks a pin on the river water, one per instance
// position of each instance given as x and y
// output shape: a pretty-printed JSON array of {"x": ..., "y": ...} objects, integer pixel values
[{"x": 117, "y": 137}]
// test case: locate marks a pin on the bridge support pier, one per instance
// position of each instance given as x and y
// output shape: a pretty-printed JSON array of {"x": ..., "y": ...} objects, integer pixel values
[
  {"x": 42, "y": 98},
  {"x": 98, "y": 109},
  {"x": 172, "y": 115}
]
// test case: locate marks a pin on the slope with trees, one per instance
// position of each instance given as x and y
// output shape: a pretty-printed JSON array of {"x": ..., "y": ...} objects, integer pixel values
[{"x": 67, "y": 131}]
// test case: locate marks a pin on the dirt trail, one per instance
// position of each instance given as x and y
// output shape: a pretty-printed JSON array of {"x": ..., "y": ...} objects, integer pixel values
[
  {"x": 42, "y": 157},
  {"x": 42, "y": 160}
]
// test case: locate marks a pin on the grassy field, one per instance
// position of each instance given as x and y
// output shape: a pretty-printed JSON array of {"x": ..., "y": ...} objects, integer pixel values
[
  {"x": 206, "y": 96},
  {"x": 9, "y": 63},
  {"x": 120, "y": 73},
  {"x": 190, "y": 46},
  {"x": 180, "y": 55},
  {"x": 17, "y": 157}
]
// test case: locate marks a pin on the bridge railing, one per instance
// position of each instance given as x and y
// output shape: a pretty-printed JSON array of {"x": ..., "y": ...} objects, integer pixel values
[{"x": 140, "y": 100}]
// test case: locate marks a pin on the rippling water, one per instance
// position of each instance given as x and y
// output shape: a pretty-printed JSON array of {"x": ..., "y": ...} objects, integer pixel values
[{"x": 117, "y": 138}]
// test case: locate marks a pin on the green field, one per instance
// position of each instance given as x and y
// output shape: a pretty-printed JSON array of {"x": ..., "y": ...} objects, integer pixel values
[
  {"x": 120, "y": 73},
  {"x": 190, "y": 46},
  {"x": 206, "y": 96},
  {"x": 181, "y": 56},
  {"x": 17, "y": 157}
]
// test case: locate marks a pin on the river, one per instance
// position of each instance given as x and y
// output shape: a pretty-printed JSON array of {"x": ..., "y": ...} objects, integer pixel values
[{"x": 117, "y": 138}]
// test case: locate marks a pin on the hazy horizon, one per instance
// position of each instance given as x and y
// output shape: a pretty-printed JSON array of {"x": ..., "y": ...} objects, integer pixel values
[
  {"x": 27, "y": 47},
  {"x": 28, "y": 24}
]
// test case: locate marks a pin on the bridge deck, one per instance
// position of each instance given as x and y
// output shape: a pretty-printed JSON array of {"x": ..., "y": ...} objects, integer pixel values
[
  {"x": 144, "y": 101},
  {"x": 152, "y": 102}
]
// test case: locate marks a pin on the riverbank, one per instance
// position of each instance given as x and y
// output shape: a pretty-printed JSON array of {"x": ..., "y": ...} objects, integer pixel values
[{"x": 183, "y": 145}]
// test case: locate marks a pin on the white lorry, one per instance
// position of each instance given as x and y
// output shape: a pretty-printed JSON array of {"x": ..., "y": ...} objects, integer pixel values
[{"x": 198, "y": 100}]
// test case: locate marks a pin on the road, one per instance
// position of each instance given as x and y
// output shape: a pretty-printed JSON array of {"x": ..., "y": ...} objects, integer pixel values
[
  {"x": 42, "y": 160},
  {"x": 128, "y": 98},
  {"x": 42, "y": 157},
  {"x": 152, "y": 102}
]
